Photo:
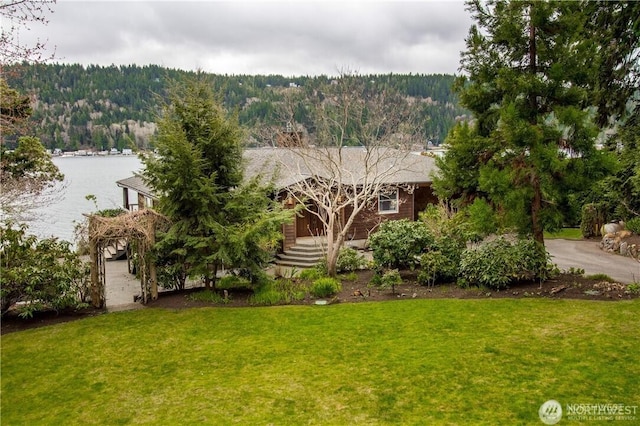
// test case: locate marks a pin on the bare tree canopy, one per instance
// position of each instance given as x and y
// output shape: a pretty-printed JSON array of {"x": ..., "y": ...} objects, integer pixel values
[
  {"x": 17, "y": 16},
  {"x": 358, "y": 148}
]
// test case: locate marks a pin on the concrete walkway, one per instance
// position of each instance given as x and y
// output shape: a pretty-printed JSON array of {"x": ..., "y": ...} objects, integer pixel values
[
  {"x": 121, "y": 287},
  {"x": 588, "y": 256}
]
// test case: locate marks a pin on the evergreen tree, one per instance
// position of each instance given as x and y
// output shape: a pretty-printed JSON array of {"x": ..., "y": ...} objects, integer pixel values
[
  {"x": 198, "y": 177},
  {"x": 531, "y": 68}
]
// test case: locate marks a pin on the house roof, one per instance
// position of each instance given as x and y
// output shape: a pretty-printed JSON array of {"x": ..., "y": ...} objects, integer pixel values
[
  {"x": 137, "y": 184},
  {"x": 287, "y": 166},
  {"x": 352, "y": 165}
]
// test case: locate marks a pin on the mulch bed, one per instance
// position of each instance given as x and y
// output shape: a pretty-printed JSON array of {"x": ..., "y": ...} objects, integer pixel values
[{"x": 565, "y": 286}]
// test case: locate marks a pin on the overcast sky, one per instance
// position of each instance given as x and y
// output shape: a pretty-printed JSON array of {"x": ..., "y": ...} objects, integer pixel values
[{"x": 260, "y": 37}]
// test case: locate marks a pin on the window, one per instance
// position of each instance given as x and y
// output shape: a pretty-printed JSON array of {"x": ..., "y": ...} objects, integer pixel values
[{"x": 388, "y": 201}]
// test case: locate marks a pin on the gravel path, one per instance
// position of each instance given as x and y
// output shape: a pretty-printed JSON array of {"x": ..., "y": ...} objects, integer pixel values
[{"x": 588, "y": 256}]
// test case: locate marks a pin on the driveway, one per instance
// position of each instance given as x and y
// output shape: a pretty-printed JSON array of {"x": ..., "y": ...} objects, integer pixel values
[{"x": 588, "y": 256}]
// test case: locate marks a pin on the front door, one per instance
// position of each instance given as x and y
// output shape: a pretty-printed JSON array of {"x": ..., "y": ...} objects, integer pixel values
[{"x": 308, "y": 224}]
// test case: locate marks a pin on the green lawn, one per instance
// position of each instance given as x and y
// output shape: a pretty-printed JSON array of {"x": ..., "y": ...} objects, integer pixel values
[
  {"x": 405, "y": 362},
  {"x": 565, "y": 234}
]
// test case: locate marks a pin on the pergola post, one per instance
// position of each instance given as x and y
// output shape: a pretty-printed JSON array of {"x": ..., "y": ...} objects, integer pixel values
[
  {"x": 95, "y": 284},
  {"x": 153, "y": 274}
]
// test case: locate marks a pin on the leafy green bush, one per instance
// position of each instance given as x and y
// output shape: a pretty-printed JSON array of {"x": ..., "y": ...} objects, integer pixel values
[
  {"x": 324, "y": 287},
  {"x": 233, "y": 281},
  {"x": 498, "y": 263},
  {"x": 277, "y": 292},
  {"x": 389, "y": 279},
  {"x": 44, "y": 274},
  {"x": 312, "y": 274},
  {"x": 633, "y": 225},
  {"x": 399, "y": 243},
  {"x": 432, "y": 265},
  {"x": 349, "y": 260}
]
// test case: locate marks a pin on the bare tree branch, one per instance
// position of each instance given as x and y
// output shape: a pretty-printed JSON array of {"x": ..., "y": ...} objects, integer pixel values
[
  {"x": 360, "y": 148},
  {"x": 18, "y": 16}
]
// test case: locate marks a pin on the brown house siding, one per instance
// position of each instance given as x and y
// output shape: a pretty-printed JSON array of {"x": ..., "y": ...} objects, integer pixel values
[
  {"x": 370, "y": 219},
  {"x": 410, "y": 204}
]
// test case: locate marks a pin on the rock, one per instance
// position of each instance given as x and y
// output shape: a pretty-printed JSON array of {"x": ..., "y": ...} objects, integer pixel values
[
  {"x": 612, "y": 228},
  {"x": 624, "y": 248},
  {"x": 624, "y": 234}
]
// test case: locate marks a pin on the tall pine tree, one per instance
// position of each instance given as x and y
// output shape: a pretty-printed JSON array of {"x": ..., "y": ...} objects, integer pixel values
[
  {"x": 530, "y": 71},
  {"x": 198, "y": 175}
]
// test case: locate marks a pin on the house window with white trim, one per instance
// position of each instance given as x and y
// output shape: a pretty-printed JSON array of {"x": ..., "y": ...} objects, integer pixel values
[{"x": 388, "y": 202}]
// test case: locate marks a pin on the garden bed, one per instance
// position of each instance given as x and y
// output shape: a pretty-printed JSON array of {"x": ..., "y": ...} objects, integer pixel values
[{"x": 565, "y": 286}]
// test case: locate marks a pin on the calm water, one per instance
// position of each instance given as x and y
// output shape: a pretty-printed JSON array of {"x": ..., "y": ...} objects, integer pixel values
[{"x": 83, "y": 176}]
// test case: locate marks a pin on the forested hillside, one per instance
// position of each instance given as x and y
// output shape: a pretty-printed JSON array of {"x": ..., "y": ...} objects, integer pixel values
[{"x": 95, "y": 107}]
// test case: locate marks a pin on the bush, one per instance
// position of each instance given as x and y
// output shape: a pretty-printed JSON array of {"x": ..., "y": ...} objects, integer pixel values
[
  {"x": 312, "y": 274},
  {"x": 433, "y": 265},
  {"x": 390, "y": 279},
  {"x": 350, "y": 260},
  {"x": 498, "y": 263},
  {"x": 633, "y": 225},
  {"x": 593, "y": 217},
  {"x": 44, "y": 274},
  {"x": 399, "y": 243},
  {"x": 325, "y": 287},
  {"x": 277, "y": 292},
  {"x": 233, "y": 281}
]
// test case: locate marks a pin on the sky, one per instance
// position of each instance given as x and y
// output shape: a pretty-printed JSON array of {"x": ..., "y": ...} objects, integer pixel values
[{"x": 291, "y": 38}]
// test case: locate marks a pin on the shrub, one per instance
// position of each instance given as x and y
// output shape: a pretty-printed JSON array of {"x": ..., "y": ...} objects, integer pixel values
[
  {"x": 324, "y": 287},
  {"x": 432, "y": 264},
  {"x": 349, "y": 260},
  {"x": 277, "y": 292},
  {"x": 390, "y": 279},
  {"x": 633, "y": 225},
  {"x": 498, "y": 263},
  {"x": 593, "y": 217},
  {"x": 399, "y": 243},
  {"x": 312, "y": 274},
  {"x": 45, "y": 274},
  {"x": 233, "y": 281}
]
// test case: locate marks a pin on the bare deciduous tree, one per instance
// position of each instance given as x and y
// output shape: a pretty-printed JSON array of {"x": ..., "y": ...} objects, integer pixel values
[{"x": 359, "y": 148}]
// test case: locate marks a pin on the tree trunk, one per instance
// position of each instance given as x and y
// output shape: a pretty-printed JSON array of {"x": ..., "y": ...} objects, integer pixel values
[
  {"x": 536, "y": 207},
  {"x": 332, "y": 250}
]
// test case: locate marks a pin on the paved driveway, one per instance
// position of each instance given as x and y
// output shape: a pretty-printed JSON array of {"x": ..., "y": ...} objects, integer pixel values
[{"x": 588, "y": 256}]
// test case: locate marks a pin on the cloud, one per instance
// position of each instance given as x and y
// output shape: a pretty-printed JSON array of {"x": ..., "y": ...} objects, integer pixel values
[{"x": 261, "y": 37}]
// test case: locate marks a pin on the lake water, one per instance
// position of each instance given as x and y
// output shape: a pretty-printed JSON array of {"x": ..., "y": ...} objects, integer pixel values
[{"x": 83, "y": 176}]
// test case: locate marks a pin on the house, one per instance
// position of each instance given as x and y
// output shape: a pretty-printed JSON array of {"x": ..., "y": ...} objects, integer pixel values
[
  {"x": 144, "y": 196},
  {"x": 404, "y": 184}
]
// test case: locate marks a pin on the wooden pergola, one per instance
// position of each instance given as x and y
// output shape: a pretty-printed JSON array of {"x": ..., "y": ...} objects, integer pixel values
[{"x": 139, "y": 227}]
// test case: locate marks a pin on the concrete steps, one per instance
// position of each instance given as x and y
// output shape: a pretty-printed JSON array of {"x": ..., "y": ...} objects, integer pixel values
[
  {"x": 116, "y": 251},
  {"x": 305, "y": 254}
]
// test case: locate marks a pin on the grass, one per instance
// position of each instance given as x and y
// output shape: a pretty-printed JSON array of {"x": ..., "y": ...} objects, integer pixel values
[
  {"x": 406, "y": 362},
  {"x": 601, "y": 277},
  {"x": 565, "y": 234}
]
